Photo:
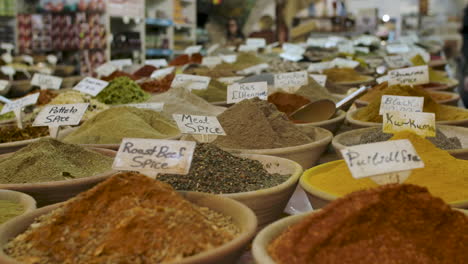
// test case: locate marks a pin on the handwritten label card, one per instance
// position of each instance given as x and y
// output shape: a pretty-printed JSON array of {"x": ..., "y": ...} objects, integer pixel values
[
  {"x": 199, "y": 125},
  {"x": 319, "y": 66},
  {"x": 382, "y": 158},
  {"x": 28, "y": 59},
  {"x": 397, "y": 48},
  {"x": 121, "y": 63},
  {"x": 91, "y": 86},
  {"x": 211, "y": 61},
  {"x": 239, "y": 91},
  {"x": 7, "y": 46},
  {"x": 193, "y": 49},
  {"x": 191, "y": 82},
  {"x": 17, "y": 106},
  {"x": 4, "y": 85},
  {"x": 7, "y": 58},
  {"x": 158, "y": 74},
  {"x": 256, "y": 69},
  {"x": 106, "y": 69},
  {"x": 397, "y": 61},
  {"x": 382, "y": 79},
  {"x": 153, "y": 156},
  {"x": 46, "y": 81},
  {"x": 55, "y": 116},
  {"x": 256, "y": 42},
  {"x": 364, "y": 50},
  {"x": 158, "y": 63},
  {"x": 230, "y": 80},
  {"x": 422, "y": 124},
  {"x": 229, "y": 58},
  {"x": 291, "y": 48},
  {"x": 247, "y": 48},
  {"x": 409, "y": 76},
  {"x": 396, "y": 103},
  {"x": 344, "y": 63},
  {"x": 291, "y": 56},
  {"x": 158, "y": 107},
  {"x": 291, "y": 79},
  {"x": 347, "y": 48},
  {"x": 8, "y": 70},
  {"x": 319, "y": 78}
]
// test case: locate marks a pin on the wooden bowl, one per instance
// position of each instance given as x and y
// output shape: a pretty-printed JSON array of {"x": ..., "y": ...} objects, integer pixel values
[
  {"x": 28, "y": 203},
  {"x": 268, "y": 204},
  {"x": 47, "y": 193},
  {"x": 332, "y": 124},
  {"x": 352, "y": 138},
  {"x": 452, "y": 99},
  {"x": 229, "y": 253},
  {"x": 362, "y": 124}
]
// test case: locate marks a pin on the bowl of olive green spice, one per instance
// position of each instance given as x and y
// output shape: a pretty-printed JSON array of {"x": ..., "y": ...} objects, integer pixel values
[
  {"x": 13, "y": 138},
  {"x": 13, "y": 204}
]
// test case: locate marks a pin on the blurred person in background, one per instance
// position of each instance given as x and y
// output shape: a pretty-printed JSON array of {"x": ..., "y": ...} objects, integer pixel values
[{"x": 234, "y": 36}]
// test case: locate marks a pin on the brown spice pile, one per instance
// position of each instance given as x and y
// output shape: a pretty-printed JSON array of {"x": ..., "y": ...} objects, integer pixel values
[
  {"x": 388, "y": 224},
  {"x": 186, "y": 59},
  {"x": 13, "y": 133},
  {"x": 158, "y": 86},
  {"x": 45, "y": 96},
  {"x": 145, "y": 71},
  {"x": 128, "y": 218}
]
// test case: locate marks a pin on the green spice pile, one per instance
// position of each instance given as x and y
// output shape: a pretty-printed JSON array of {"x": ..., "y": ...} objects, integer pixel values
[
  {"x": 129, "y": 218},
  {"x": 122, "y": 90},
  {"x": 51, "y": 160},
  {"x": 13, "y": 133},
  {"x": 9, "y": 209},
  {"x": 216, "y": 171},
  {"x": 110, "y": 126},
  {"x": 6, "y": 116},
  {"x": 314, "y": 91},
  {"x": 257, "y": 124},
  {"x": 216, "y": 92}
]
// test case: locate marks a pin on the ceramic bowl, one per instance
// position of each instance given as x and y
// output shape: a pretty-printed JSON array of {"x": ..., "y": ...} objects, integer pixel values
[
  {"x": 28, "y": 203},
  {"x": 352, "y": 138},
  {"x": 332, "y": 124},
  {"x": 47, "y": 193},
  {"x": 452, "y": 99},
  {"x": 16, "y": 145},
  {"x": 268, "y": 204},
  {"x": 354, "y": 123},
  {"x": 306, "y": 155},
  {"x": 242, "y": 216}
]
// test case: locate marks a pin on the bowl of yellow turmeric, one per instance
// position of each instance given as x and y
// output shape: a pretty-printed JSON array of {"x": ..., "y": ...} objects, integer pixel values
[{"x": 444, "y": 175}]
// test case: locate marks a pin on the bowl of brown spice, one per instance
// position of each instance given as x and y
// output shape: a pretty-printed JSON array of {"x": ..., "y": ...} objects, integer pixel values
[{"x": 13, "y": 138}]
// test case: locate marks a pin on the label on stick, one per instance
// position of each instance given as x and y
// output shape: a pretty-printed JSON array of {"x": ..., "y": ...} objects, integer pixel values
[
  {"x": 91, "y": 86},
  {"x": 4, "y": 85},
  {"x": 291, "y": 79},
  {"x": 121, "y": 63},
  {"x": 239, "y": 91},
  {"x": 153, "y": 156},
  {"x": 319, "y": 78},
  {"x": 344, "y": 63},
  {"x": 319, "y": 66},
  {"x": 256, "y": 42},
  {"x": 256, "y": 69},
  {"x": 381, "y": 158},
  {"x": 230, "y": 80},
  {"x": 61, "y": 115},
  {"x": 191, "y": 82},
  {"x": 20, "y": 103},
  {"x": 422, "y": 124},
  {"x": 247, "y": 48},
  {"x": 211, "y": 61},
  {"x": 401, "y": 104},
  {"x": 46, "y": 81},
  {"x": 397, "y": 61},
  {"x": 193, "y": 49},
  {"x": 157, "y": 74},
  {"x": 229, "y": 58},
  {"x": 199, "y": 125},
  {"x": 409, "y": 76},
  {"x": 158, "y": 63},
  {"x": 106, "y": 69},
  {"x": 158, "y": 107}
]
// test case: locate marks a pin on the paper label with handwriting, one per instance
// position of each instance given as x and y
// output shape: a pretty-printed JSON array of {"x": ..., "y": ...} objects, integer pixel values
[
  {"x": 211, "y": 61},
  {"x": 319, "y": 66},
  {"x": 317, "y": 42},
  {"x": 4, "y": 84},
  {"x": 61, "y": 115},
  {"x": 239, "y": 91},
  {"x": 230, "y": 80},
  {"x": 347, "y": 48},
  {"x": 153, "y": 156},
  {"x": 247, "y": 48},
  {"x": 409, "y": 76},
  {"x": 397, "y": 61},
  {"x": 7, "y": 46},
  {"x": 319, "y": 78},
  {"x": 91, "y": 86},
  {"x": 256, "y": 42},
  {"x": 193, "y": 49},
  {"x": 291, "y": 56},
  {"x": 256, "y": 69},
  {"x": 199, "y": 125},
  {"x": 422, "y": 124},
  {"x": 381, "y": 158},
  {"x": 291, "y": 48},
  {"x": 229, "y": 58},
  {"x": 20, "y": 103},
  {"x": 46, "y": 81},
  {"x": 374, "y": 62},
  {"x": 8, "y": 70},
  {"x": 121, "y": 63},
  {"x": 158, "y": 63},
  {"x": 157, "y": 74},
  {"x": 158, "y": 107},
  {"x": 191, "y": 82},
  {"x": 382, "y": 79},
  {"x": 291, "y": 79},
  {"x": 345, "y": 63},
  {"x": 7, "y": 58},
  {"x": 397, "y": 103},
  {"x": 28, "y": 59},
  {"x": 106, "y": 69},
  {"x": 397, "y": 48}
]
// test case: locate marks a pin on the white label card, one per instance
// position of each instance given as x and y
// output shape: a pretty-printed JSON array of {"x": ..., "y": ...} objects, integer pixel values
[
  {"x": 293, "y": 49},
  {"x": 347, "y": 48},
  {"x": 158, "y": 63},
  {"x": 291, "y": 79},
  {"x": 199, "y": 125},
  {"x": 256, "y": 42},
  {"x": 52, "y": 59},
  {"x": 319, "y": 78},
  {"x": 106, "y": 69},
  {"x": 256, "y": 69},
  {"x": 61, "y": 115},
  {"x": 397, "y": 48},
  {"x": 230, "y": 80},
  {"x": 229, "y": 58},
  {"x": 247, "y": 48},
  {"x": 422, "y": 124},
  {"x": 319, "y": 66},
  {"x": 401, "y": 104},
  {"x": 91, "y": 86},
  {"x": 344, "y": 63},
  {"x": 157, "y": 74},
  {"x": 382, "y": 79},
  {"x": 193, "y": 49},
  {"x": 397, "y": 61},
  {"x": 121, "y": 63},
  {"x": 211, "y": 61},
  {"x": 28, "y": 59},
  {"x": 4, "y": 85},
  {"x": 191, "y": 82},
  {"x": 291, "y": 56},
  {"x": 7, "y": 46},
  {"x": 7, "y": 58},
  {"x": 153, "y": 156},
  {"x": 46, "y": 81},
  {"x": 8, "y": 70},
  {"x": 158, "y": 107},
  {"x": 381, "y": 158},
  {"x": 239, "y": 91},
  {"x": 20, "y": 103},
  {"x": 364, "y": 50},
  {"x": 409, "y": 76}
]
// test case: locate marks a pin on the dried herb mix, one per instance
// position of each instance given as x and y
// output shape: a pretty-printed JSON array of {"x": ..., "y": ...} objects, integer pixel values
[
  {"x": 216, "y": 171},
  {"x": 9, "y": 209},
  {"x": 122, "y": 90},
  {"x": 131, "y": 219},
  {"x": 13, "y": 133},
  {"x": 51, "y": 160}
]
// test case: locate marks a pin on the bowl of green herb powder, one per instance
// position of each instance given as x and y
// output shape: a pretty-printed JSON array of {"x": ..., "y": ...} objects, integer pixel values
[{"x": 13, "y": 204}]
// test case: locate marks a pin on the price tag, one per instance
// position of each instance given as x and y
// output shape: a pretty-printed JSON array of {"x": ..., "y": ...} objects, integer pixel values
[
  {"x": 211, "y": 61},
  {"x": 347, "y": 48},
  {"x": 397, "y": 61},
  {"x": 291, "y": 80},
  {"x": 191, "y": 82},
  {"x": 256, "y": 69},
  {"x": 247, "y": 48},
  {"x": 7, "y": 58},
  {"x": 17, "y": 106},
  {"x": 319, "y": 78},
  {"x": 55, "y": 116},
  {"x": 192, "y": 50},
  {"x": 199, "y": 125},
  {"x": 409, "y": 76},
  {"x": 344, "y": 63},
  {"x": 154, "y": 156},
  {"x": 157, "y": 74},
  {"x": 212, "y": 48},
  {"x": 256, "y": 42},
  {"x": 422, "y": 124},
  {"x": 46, "y": 81},
  {"x": 28, "y": 59},
  {"x": 239, "y": 91},
  {"x": 121, "y": 63},
  {"x": 91, "y": 86},
  {"x": 229, "y": 58},
  {"x": 396, "y": 103},
  {"x": 106, "y": 69},
  {"x": 384, "y": 162},
  {"x": 8, "y": 70},
  {"x": 158, "y": 107},
  {"x": 397, "y": 48},
  {"x": 319, "y": 66},
  {"x": 158, "y": 63},
  {"x": 382, "y": 79},
  {"x": 4, "y": 85},
  {"x": 364, "y": 50},
  {"x": 230, "y": 80},
  {"x": 52, "y": 59}
]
